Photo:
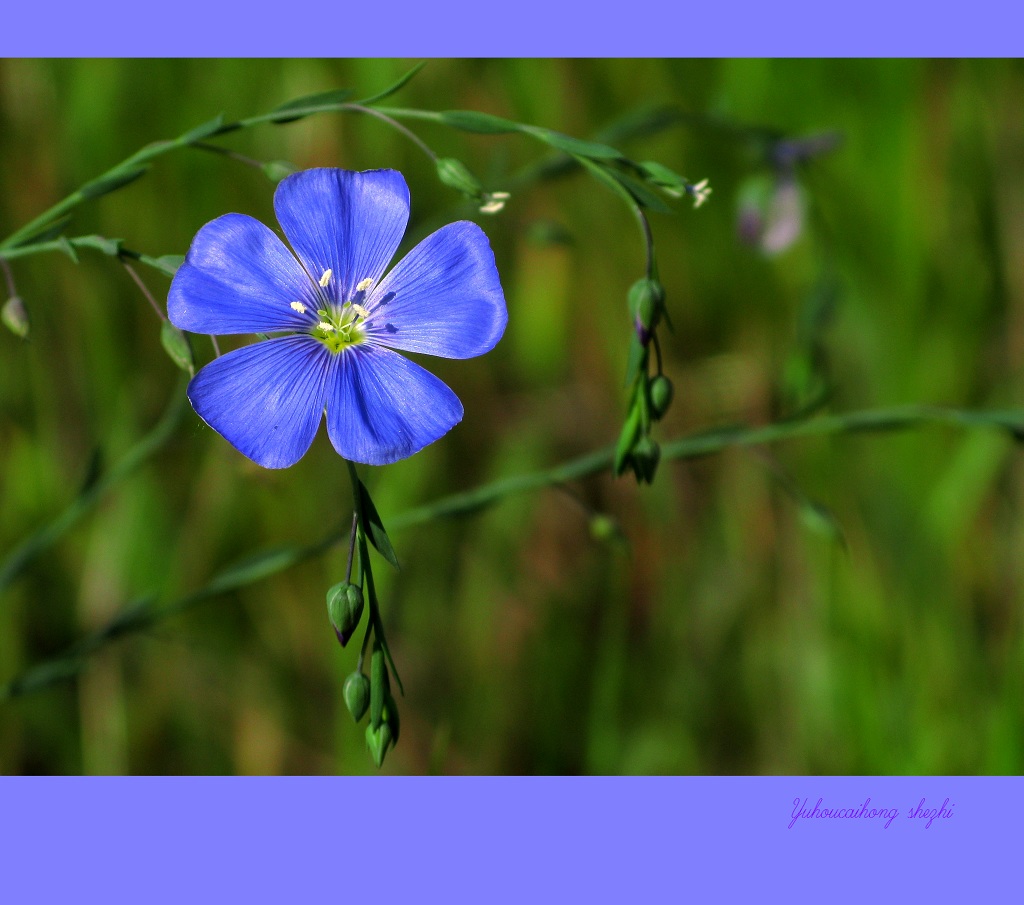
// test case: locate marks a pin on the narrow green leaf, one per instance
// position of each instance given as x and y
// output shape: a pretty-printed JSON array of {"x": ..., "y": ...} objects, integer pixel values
[
  {"x": 111, "y": 182},
  {"x": 393, "y": 89},
  {"x": 67, "y": 248},
  {"x": 322, "y": 99},
  {"x": 177, "y": 346},
  {"x": 378, "y": 688},
  {"x": 604, "y": 176},
  {"x": 575, "y": 146},
  {"x": 637, "y": 359},
  {"x": 36, "y": 678},
  {"x": 377, "y": 536},
  {"x": 627, "y": 439},
  {"x": 662, "y": 176},
  {"x": 110, "y": 247},
  {"x": 640, "y": 193},
  {"x": 46, "y": 233},
  {"x": 207, "y": 129},
  {"x": 391, "y": 718},
  {"x": 483, "y": 123},
  {"x": 640, "y": 123},
  {"x": 254, "y": 568},
  {"x": 169, "y": 264}
]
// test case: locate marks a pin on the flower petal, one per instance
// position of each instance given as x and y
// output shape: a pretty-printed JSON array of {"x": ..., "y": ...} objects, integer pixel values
[
  {"x": 239, "y": 277},
  {"x": 346, "y": 222},
  {"x": 383, "y": 408},
  {"x": 443, "y": 298},
  {"x": 266, "y": 399}
]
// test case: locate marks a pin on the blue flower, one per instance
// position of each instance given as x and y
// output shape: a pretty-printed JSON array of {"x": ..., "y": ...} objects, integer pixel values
[{"x": 336, "y": 317}]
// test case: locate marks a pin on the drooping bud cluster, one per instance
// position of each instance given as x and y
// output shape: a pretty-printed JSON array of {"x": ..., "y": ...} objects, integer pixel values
[
  {"x": 650, "y": 397},
  {"x": 345, "y": 602}
]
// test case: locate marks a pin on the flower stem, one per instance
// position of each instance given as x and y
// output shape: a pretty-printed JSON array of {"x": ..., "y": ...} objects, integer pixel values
[
  {"x": 351, "y": 546},
  {"x": 8, "y": 277},
  {"x": 645, "y": 230},
  {"x": 412, "y": 136},
  {"x": 145, "y": 291},
  {"x": 374, "y": 622}
]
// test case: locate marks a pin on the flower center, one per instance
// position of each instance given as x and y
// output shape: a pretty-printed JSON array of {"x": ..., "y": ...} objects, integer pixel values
[
  {"x": 342, "y": 327},
  {"x": 339, "y": 326}
]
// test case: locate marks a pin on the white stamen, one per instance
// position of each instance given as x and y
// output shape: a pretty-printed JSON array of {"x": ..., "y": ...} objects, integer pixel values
[
  {"x": 360, "y": 310},
  {"x": 495, "y": 202},
  {"x": 298, "y": 306},
  {"x": 326, "y": 327},
  {"x": 364, "y": 284},
  {"x": 700, "y": 192},
  {"x": 326, "y": 278}
]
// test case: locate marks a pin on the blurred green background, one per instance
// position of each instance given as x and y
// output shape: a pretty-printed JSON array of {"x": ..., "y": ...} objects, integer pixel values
[{"x": 730, "y": 631}]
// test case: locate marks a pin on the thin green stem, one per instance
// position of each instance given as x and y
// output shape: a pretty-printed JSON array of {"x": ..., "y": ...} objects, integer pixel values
[
  {"x": 8, "y": 277},
  {"x": 144, "y": 289},
  {"x": 648, "y": 237},
  {"x": 227, "y": 152},
  {"x": 412, "y": 136},
  {"x": 93, "y": 243},
  {"x": 351, "y": 546}
]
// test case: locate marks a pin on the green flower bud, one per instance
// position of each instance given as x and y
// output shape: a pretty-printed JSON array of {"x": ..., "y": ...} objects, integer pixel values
[
  {"x": 646, "y": 304},
  {"x": 646, "y": 455},
  {"x": 345, "y": 607},
  {"x": 456, "y": 174},
  {"x": 661, "y": 395},
  {"x": 378, "y": 741},
  {"x": 15, "y": 316},
  {"x": 357, "y": 695},
  {"x": 276, "y": 170}
]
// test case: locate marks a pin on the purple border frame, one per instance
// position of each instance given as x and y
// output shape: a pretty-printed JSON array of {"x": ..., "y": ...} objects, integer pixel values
[
  {"x": 507, "y": 839},
  {"x": 539, "y": 28},
  {"x": 504, "y": 839}
]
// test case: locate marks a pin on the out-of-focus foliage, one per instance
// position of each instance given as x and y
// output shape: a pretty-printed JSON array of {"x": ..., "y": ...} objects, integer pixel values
[{"x": 825, "y": 606}]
